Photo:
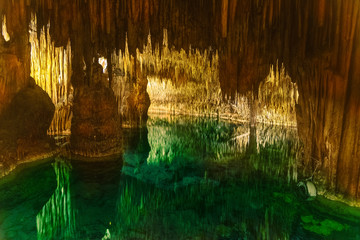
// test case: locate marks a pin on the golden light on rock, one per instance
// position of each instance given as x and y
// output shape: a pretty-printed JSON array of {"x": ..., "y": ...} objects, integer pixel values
[
  {"x": 163, "y": 119},
  {"x": 4, "y": 32},
  {"x": 51, "y": 69}
]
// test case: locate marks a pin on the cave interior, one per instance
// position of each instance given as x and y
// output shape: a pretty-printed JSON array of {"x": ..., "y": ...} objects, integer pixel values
[{"x": 80, "y": 80}]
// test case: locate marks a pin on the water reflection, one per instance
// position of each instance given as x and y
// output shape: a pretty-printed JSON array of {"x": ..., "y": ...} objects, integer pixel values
[
  {"x": 23, "y": 193},
  {"x": 57, "y": 219},
  {"x": 183, "y": 150},
  {"x": 180, "y": 178},
  {"x": 202, "y": 211},
  {"x": 94, "y": 191},
  {"x": 60, "y": 200},
  {"x": 209, "y": 179}
]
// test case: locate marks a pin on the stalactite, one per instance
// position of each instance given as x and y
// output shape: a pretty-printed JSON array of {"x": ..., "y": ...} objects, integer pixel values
[
  {"x": 321, "y": 15},
  {"x": 316, "y": 40},
  {"x": 188, "y": 82},
  {"x": 4, "y": 32},
  {"x": 50, "y": 69},
  {"x": 224, "y": 17},
  {"x": 108, "y": 16},
  {"x": 277, "y": 97}
]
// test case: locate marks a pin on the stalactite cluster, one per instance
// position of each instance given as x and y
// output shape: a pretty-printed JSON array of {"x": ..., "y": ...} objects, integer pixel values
[
  {"x": 181, "y": 82},
  {"x": 51, "y": 69},
  {"x": 25, "y": 110},
  {"x": 277, "y": 98},
  {"x": 316, "y": 40},
  {"x": 129, "y": 83},
  {"x": 192, "y": 74}
]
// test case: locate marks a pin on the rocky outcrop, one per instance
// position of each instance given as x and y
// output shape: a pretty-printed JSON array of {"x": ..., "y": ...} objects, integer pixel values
[
  {"x": 23, "y": 126},
  {"x": 29, "y": 113},
  {"x": 95, "y": 126}
]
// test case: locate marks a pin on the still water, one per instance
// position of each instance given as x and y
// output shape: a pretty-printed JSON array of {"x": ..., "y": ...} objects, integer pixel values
[{"x": 179, "y": 178}]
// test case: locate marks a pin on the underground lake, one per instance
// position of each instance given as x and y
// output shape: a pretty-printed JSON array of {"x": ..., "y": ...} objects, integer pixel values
[
  {"x": 178, "y": 178},
  {"x": 180, "y": 119}
]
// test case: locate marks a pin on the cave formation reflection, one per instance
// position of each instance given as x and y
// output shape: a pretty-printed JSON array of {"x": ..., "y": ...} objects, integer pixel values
[
  {"x": 179, "y": 178},
  {"x": 57, "y": 217}
]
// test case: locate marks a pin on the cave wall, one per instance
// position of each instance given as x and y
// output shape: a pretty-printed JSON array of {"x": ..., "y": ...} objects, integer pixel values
[
  {"x": 25, "y": 109},
  {"x": 328, "y": 106},
  {"x": 318, "y": 41},
  {"x": 14, "y": 53}
]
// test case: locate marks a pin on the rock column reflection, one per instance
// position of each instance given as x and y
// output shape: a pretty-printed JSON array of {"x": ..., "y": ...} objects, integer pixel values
[{"x": 57, "y": 218}]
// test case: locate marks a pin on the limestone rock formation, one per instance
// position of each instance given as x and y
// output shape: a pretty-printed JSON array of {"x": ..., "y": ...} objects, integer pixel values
[
  {"x": 316, "y": 40},
  {"x": 95, "y": 126},
  {"x": 29, "y": 113},
  {"x": 23, "y": 126},
  {"x": 138, "y": 103}
]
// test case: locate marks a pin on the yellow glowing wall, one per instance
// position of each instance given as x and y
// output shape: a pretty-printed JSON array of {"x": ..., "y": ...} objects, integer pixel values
[
  {"x": 51, "y": 69},
  {"x": 181, "y": 82}
]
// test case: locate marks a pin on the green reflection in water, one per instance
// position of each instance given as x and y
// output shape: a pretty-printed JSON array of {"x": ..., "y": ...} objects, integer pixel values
[
  {"x": 182, "y": 178},
  {"x": 206, "y": 179},
  {"x": 57, "y": 219},
  {"x": 23, "y": 193},
  {"x": 182, "y": 151},
  {"x": 202, "y": 210}
]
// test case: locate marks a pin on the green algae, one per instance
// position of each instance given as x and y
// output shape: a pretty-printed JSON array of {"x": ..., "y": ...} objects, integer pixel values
[
  {"x": 339, "y": 209},
  {"x": 324, "y": 227}
]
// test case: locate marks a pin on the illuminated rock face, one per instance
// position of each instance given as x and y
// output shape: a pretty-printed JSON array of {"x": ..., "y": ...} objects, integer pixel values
[
  {"x": 129, "y": 84},
  {"x": 317, "y": 41},
  {"x": 277, "y": 98},
  {"x": 138, "y": 103},
  {"x": 51, "y": 69},
  {"x": 188, "y": 83}
]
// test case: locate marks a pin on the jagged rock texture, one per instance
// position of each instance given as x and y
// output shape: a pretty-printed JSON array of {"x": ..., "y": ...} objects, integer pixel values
[
  {"x": 51, "y": 69},
  {"x": 316, "y": 40},
  {"x": 95, "y": 127}
]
